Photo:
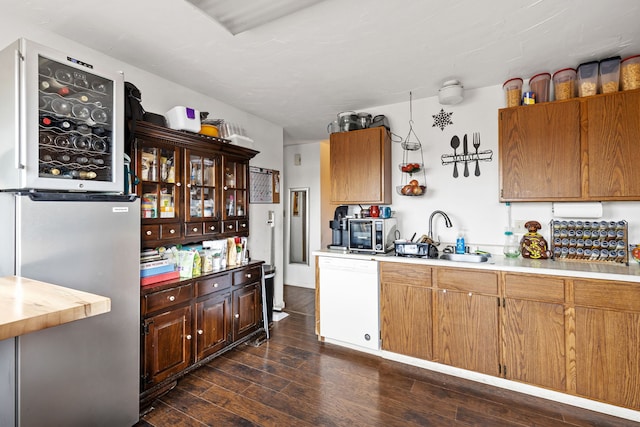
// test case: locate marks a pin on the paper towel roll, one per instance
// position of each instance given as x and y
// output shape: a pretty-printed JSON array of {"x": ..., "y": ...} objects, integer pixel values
[{"x": 577, "y": 210}]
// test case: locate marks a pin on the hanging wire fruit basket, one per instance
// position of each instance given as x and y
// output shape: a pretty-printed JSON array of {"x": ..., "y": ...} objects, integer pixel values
[{"x": 413, "y": 182}]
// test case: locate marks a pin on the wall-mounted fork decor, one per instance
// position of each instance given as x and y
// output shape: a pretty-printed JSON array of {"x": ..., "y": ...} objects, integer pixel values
[{"x": 467, "y": 156}]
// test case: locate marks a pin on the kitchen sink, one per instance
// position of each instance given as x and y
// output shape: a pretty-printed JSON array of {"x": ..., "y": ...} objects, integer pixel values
[{"x": 465, "y": 257}]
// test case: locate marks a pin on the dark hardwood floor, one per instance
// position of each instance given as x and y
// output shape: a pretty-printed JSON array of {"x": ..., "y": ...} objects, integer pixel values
[{"x": 294, "y": 380}]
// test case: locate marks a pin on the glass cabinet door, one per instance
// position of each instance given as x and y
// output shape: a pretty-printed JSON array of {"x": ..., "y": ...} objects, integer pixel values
[
  {"x": 157, "y": 173},
  {"x": 202, "y": 184},
  {"x": 235, "y": 190},
  {"x": 75, "y": 131}
]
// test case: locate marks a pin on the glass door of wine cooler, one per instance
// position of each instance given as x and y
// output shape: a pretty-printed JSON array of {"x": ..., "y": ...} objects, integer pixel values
[{"x": 70, "y": 115}]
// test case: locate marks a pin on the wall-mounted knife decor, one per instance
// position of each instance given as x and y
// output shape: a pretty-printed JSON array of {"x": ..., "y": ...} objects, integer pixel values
[{"x": 473, "y": 155}]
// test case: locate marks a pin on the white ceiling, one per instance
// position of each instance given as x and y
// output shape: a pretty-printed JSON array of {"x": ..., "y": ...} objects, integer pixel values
[{"x": 341, "y": 55}]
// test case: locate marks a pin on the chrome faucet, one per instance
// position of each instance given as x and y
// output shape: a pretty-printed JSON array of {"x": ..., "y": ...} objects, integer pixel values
[{"x": 447, "y": 222}]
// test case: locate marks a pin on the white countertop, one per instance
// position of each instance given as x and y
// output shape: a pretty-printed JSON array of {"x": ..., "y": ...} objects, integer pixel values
[{"x": 584, "y": 269}]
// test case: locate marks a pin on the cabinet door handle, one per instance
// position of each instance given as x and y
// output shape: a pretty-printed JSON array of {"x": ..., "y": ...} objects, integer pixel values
[
  {"x": 189, "y": 185},
  {"x": 178, "y": 184},
  {"x": 237, "y": 316},
  {"x": 172, "y": 298},
  {"x": 148, "y": 233},
  {"x": 225, "y": 187},
  {"x": 200, "y": 331},
  {"x": 188, "y": 337},
  {"x": 470, "y": 294}
]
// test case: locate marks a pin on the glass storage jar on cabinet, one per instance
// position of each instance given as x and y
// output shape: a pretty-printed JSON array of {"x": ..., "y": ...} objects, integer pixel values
[
  {"x": 158, "y": 182},
  {"x": 202, "y": 183}
]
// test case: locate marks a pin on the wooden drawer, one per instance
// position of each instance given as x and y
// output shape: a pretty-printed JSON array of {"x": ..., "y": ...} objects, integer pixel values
[
  {"x": 396, "y": 272},
  {"x": 169, "y": 231},
  {"x": 211, "y": 227},
  {"x": 213, "y": 284},
  {"x": 607, "y": 294},
  {"x": 193, "y": 229},
  {"x": 247, "y": 275},
  {"x": 167, "y": 298},
  {"x": 467, "y": 280},
  {"x": 538, "y": 288},
  {"x": 150, "y": 232},
  {"x": 229, "y": 226}
]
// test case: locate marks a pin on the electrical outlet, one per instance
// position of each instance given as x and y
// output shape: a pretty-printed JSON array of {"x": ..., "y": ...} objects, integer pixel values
[{"x": 518, "y": 225}]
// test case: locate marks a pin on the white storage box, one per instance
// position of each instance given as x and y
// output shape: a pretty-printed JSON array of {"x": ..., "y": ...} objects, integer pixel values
[
  {"x": 243, "y": 141},
  {"x": 183, "y": 118}
]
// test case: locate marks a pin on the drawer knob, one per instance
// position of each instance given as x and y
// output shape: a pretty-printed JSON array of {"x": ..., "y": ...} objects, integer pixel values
[
  {"x": 237, "y": 316},
  {"x": 188, "y": 337},
  {"x": 470, "y": 294},
  {"x": 178, "y": 184},
  {"x": 243, "y": 225},
  {"x": 230, "y": 227},
  {"x": 215, "y": 285},
  {"x": 188, "y": 185},
  {"x": 148, "y": 233},
  {"x": 172, "y": 298},
  {"x": 172, "y": 231},
  {"x": 212, "y": 228},
  {"x": 248, "y": 275},
  {"x": 194, "y": 229},
  {"x": 200, "y": 331}
]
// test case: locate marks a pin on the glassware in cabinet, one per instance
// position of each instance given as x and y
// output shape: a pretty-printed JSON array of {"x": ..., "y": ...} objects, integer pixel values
[
  {"x": 235, "y": 191},
  {"x": 202, "y": 183},
  {"x": 158, "y": 186}
]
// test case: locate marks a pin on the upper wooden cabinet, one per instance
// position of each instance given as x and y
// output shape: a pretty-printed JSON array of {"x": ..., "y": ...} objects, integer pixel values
[
  {"x": 193, "y": 187},
  {"x": 361, "y": 166},
  {"x": 613, "y": 131},
  {"x": 582, "y": 149}
]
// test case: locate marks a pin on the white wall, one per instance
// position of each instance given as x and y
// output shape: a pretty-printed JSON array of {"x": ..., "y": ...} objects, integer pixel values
[
  {"x": 471, "y": 202},
  {"x": 160, "y": 95},
  {"x": 307, "y": 174}
]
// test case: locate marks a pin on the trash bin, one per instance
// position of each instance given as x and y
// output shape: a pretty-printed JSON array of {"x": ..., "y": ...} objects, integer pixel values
[{"x": 269, "y": 274}]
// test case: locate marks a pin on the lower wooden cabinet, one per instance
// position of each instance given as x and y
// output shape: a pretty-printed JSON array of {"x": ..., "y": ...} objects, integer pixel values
[
  {"x": 467, "y": 323},
  {"x": 534, "y": 329},
  {"x": 185, "y": 324},
  {"x": 167, "y": 345},
  {"x": 246, "y": 310},
  {"x": 406, "y": 311},
  {"x": 573, "y": 335},
  {"x": 607, "y": 336},
  {"x": 467, "y": 331},
  {"x": 213, "y": 315}
]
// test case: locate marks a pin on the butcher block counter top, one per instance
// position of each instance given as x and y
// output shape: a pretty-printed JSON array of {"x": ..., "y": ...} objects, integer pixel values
[{"x": 29, "y": 305}]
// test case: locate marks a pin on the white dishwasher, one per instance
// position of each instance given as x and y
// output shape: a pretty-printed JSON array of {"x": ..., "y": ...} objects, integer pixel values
[{"x": 349, "y": 308}]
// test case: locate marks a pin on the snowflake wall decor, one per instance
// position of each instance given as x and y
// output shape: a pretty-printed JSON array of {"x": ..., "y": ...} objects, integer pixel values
[{"x": 442, "y": 119}]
